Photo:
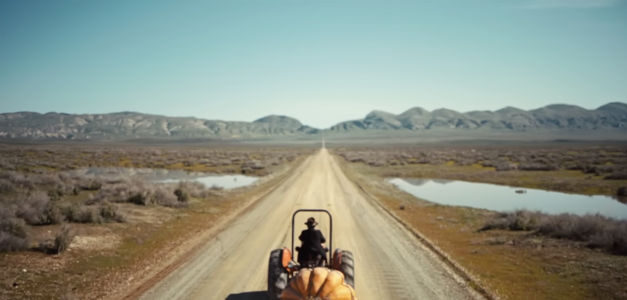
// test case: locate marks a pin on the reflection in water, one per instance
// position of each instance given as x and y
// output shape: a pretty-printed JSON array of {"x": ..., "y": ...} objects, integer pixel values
[
  {"x": 169, "y": 176},
  {"x": 505, "y": 198},
  {"x": 223, "y": 181},
  {"x": 418, "y": 181}
]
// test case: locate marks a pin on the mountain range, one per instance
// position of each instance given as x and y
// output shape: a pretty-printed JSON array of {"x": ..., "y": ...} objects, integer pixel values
[
  {"x": 132, "y": 125},
  {"x": 557, "y": 116}
]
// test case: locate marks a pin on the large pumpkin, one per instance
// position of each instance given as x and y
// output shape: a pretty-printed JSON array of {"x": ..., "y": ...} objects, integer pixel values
[{"x": 321, "y": 283}]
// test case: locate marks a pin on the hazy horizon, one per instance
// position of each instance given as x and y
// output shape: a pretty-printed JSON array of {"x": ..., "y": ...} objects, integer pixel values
[{"x": 320, "y": 62}]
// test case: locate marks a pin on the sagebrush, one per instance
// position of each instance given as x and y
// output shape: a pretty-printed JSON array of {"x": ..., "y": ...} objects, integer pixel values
[{"x": 596, "y": 231}]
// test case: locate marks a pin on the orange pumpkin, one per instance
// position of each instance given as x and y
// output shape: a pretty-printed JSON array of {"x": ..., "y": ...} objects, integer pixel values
[{"x": 321, "y": 283}]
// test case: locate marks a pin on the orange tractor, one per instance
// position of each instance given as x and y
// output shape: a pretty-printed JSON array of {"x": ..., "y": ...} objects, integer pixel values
[{"x": 315, "y": 277}]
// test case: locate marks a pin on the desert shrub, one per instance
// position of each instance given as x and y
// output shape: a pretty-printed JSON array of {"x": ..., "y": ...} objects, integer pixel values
[
  {"x": 595, "y": 231},
  {"x": 6, "y": 186},
  {"x": 63, "y": 239},
  {"x": 10, "y": 242},
  {"x": 142, "y": 193},
  {"x": 165, "y": 197},
  {"x": 112, "y": 191},
  {"x": 462, "y": 161},
  {"x": 505, "y": 167},
  {"x": 139, "y": 198},
  {"x": 598, "y": 231},
  {"x": 599, "y": 169},
  {"x": 499, "y": 165},
  {"x": 37, "y": 209},
  {"x": 376, "y": 163},
  {"x": 19, "y": 180},
  {"x": 90, "y": 184},
  {"x": 60, "y": 243},
  {"x": 136, "y": 192},
  {"x": 193, "y": 189},
  {"x": 573, "y": 165},
  {"x": 393, "y": 162},
  {"x": 536, "y": 166},
  {"x": 54, "y": 214},
  {"x": 49, "y": 179},
  {"x": 6, "y": 164},
  {"x": 109, "y": 212},
  {"x": 33, "y": 208},
  {"x": 613, "y": 239},
  {"x": 619, "y": 175},
  {"x": 13, "y": 234},
  {"x": 103, "y": 212},
  {"x": 517, "y": 220},
  {"x": 216, "y": 188},
  {"x": 122, "y": 191},
  {"x": 181, "y": 196},
  {"x": 568, "y": 226},
  {"x": 83, "y": 214},
  {"x": 94, "y": 198},
  {"x": 606, "y": 169}
]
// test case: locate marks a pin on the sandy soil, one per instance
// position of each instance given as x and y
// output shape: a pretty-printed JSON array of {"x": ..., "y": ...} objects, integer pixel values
[{"x": 389, "y": 262}]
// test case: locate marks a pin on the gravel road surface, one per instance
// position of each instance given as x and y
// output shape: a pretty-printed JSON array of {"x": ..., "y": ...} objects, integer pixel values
[{"x": 389, "y": 262}]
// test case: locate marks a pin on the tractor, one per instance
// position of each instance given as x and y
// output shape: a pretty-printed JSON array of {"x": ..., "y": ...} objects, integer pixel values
[{"x": 327, "y": 277}]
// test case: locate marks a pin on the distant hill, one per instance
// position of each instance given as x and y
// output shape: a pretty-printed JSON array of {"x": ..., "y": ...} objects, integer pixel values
[
  {"x": 131, "y": 125},
  {"x": 508, "y": 121},
  {"x": 558, "y": 116},
  {"x": 282, "y": 125}
]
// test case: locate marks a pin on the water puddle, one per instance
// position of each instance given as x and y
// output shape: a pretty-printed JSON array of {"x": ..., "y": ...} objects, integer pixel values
[
  {"x": 505, "y": 198},
  {"x": 221, "y": 181},
  {"x": 170, "y": 176}
]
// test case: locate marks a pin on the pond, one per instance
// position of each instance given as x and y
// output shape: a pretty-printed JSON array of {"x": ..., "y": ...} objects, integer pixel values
[
  {"x": 171, "y": 176},
  {"x": 506, "y": 198}
]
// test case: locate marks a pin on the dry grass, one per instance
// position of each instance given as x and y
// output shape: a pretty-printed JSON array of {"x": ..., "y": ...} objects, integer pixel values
[
  {"x": 151, "y": 233},
  {"x": 232, "y": 159},
  {"x": 592, "y": 159}
]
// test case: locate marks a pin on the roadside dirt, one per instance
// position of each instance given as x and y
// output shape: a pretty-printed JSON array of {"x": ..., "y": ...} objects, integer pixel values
[{"x": 389, "y": 262}]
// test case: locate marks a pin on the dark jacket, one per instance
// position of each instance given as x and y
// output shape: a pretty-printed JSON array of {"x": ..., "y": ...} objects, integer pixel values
[{"x": 312, "y": 241}]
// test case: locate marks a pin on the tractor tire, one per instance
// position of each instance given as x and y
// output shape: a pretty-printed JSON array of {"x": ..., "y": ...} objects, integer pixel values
[
  {"x": 277, "y": 275},
  {"x": 347, "y": 267}
]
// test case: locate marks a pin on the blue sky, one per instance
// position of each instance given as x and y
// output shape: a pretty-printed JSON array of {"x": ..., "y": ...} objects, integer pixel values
[{"x": 319, "y": 61}]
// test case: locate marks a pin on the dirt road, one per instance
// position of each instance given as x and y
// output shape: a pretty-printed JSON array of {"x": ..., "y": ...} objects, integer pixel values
[{"x": 389, "y": 262}]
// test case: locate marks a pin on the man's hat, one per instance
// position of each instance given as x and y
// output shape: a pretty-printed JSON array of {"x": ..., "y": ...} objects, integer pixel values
[{"x": 311, "y": 221}]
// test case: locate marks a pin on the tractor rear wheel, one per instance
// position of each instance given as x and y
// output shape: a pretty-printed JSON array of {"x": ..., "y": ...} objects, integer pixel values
[
  {"x": 347, "y": 267},
  {"x": 277, "y": 275}
]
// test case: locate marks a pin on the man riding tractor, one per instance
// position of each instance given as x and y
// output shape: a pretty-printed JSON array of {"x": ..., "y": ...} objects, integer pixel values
[
  {"x": 314, "y": 276},
  {"x": 312, "y": 252}
]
